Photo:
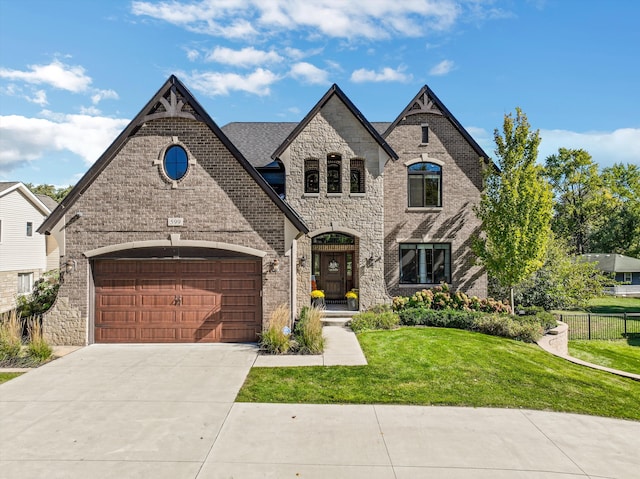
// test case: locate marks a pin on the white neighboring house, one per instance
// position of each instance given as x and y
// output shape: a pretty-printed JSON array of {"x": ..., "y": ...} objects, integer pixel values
[{"x": 24, "y": 254}]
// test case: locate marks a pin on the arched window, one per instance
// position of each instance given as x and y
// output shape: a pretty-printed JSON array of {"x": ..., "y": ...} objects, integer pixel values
[
  {"x": 311, "y": 176},
  {"x": 334, "y": 176},
  {"x": 356, "y": 175},
  {"x": 175, "y": 163},
  {"x": 425, "y": 185}
]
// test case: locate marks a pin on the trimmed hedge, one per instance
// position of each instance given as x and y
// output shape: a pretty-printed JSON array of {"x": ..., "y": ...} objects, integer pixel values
[{"x": 370, "y": 320}]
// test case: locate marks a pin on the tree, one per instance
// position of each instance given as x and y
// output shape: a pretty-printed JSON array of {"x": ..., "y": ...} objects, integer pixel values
[
  {"x": 563, "y": 281},
  {"x": 577, "y": 186},
  {"x": 57, "y": 194},
  {"x": 515, "y": 207},
  {"x": 619, "y": 230}
]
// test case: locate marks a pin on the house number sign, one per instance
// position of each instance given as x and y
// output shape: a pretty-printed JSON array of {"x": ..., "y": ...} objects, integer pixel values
[{"x": 175, "y": 221}]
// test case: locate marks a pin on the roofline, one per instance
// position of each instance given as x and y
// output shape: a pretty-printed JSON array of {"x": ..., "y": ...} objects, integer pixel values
[
  {"x": 104, "y": 160},
  {"x": 22, "y": 187},
  {"x": 335, "y": 90},
  {"x": 447, "y": 114}
]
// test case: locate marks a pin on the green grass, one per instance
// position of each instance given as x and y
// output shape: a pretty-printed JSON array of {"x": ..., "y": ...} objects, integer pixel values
[
  {"x": 437, "y": 366},
  {"x": 4, "y": 377},
  {"x": 622, "y": 355},
  {"x": 614, "y": 305}
]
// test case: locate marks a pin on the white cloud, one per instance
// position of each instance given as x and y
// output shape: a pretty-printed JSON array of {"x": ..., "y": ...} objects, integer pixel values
[
  {"x": 371, "y": 19},
  {"x": 103, "y": 94},
  {"x": 442, "y": 68},
  {"x": 213, "y": 83},
  {"x": 192, "y": 54},
  {"x": 309, "y": 73},
  {"x": 605, "y": 147},
  {"x": 246, "y": 57},
  {"x": 385, "y": 75},
  {"x": 39, "y": 98},
  {"x": 24, "y": 139},
  {"x": 56, "y": 74}
]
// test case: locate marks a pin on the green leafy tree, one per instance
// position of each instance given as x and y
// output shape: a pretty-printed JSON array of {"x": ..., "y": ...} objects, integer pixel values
[
  {"x": 578, "y": 190},
  {"x": 619, "y": 228},
  {"x": 515, "y": 207},
  {"x": 563, "y": 281},
  {"x": 51, "y": 191}
]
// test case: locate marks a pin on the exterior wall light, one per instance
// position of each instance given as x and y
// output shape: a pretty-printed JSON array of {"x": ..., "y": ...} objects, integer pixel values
[
  {"x": 303, "y": 262},
  {"x": 275, "y": 266}
]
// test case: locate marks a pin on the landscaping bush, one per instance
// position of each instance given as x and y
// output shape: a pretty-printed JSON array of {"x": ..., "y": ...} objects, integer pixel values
[
  {"x": 38, "y": 348},
  {"x": 308, "y": 331},
  {"x": 44, "y": 293},
  {"x": 369, "y": 320},
  {"x": 10, "y": 336},
  {"x": 508, "y": 327},
  {"x": 444, "y": 318},
  {"x": 274, "y": 339}
]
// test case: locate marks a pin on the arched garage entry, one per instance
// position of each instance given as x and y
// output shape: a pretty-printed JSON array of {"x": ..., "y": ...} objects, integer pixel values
[{"x": 177, "y": 294}]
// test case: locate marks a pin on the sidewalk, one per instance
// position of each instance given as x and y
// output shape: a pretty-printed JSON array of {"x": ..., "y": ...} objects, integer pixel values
[{"x": 341, "y": 349}]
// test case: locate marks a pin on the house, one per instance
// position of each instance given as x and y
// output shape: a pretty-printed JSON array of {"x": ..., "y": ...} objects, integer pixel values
[
  {"x": 24, "y": 254},
  {"x": 185, "y": 231},
  {"x": 624, "y": 269}
]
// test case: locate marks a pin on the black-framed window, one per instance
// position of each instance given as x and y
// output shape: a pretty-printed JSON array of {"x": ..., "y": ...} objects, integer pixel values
[
  {"x": 176, "y": 162},
  {"x": 274, "y": 173},
  {"x": 425, "y": 134},
  {"x": 425, "y": 263},
  {"x": 356, "y": 175},
  {"x": 311, "y": 176},
  {"x": 334, "y": 173},
  {"x": 425, "y": 185}
]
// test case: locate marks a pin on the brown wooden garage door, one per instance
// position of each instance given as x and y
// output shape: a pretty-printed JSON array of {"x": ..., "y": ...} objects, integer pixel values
[{"x": 161, "y": 301}]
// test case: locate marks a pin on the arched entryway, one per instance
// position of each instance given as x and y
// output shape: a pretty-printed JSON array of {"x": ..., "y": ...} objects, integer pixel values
[{"x": 334, "y": 265}]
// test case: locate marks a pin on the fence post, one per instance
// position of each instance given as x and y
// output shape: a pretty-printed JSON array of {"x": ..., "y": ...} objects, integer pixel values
[
  {"x": 589, "y": 324},
  {"x": 625, "y": 324}
]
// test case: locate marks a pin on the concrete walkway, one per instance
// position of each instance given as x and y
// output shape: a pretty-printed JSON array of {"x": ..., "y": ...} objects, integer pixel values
[
  {"x": 168, "y": 411},
  {"x": 341, "y": 349}
]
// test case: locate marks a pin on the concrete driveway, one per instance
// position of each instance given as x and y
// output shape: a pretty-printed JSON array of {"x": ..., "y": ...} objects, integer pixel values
[{"x": 167, "y": 411}]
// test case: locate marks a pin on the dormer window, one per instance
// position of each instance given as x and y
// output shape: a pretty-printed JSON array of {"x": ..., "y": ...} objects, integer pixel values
[{"x": 334, "y": 176}]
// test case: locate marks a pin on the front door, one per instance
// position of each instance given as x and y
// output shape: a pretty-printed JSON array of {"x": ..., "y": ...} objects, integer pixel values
[{"x": 333, "y": 274}]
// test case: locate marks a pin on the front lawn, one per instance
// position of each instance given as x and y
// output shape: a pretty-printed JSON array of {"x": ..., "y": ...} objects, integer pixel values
[
  {"x": 621, "y": 354},
  {"x": 614, "y": 305},
  {"x": 4, "y": 377},
  {"x": 438, "y": 366}
]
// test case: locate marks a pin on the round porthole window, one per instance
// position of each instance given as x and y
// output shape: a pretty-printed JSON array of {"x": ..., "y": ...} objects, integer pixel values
[{"x": 175, "y": 162}]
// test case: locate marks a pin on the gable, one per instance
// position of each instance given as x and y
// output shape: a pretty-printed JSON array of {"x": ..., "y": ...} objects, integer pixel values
[{"x": 171, "y": 107}]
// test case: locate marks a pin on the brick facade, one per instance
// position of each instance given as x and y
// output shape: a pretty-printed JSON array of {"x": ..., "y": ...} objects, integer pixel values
[{"x": 455, "y": 222}]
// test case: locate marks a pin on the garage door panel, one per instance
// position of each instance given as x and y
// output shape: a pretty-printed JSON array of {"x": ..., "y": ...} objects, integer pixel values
[
  {"x": 117, "y": 300},
  {"x": 177, "y": 301},
  {"x": 116, "y": 317}
]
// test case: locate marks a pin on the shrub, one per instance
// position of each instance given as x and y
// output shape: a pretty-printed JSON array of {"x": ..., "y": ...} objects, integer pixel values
[
  {"x": 547, "y": 320},
  {"x": 380, "y": 308},
  {"x": 10, "y": 336},
  {"x": 308, "y": 331},
  {"x": 370, "y": 320},
  {"x": 274, "y": 339},
  {"x": 508, "y": 327},
  {"x": 42, "y": 297},
  {"x": 444, "y": 318},
  {"x": 38, "y": 348}
]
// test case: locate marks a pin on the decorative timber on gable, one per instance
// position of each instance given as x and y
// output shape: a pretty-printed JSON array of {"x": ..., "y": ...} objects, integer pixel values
[
  {"x": 172, "y": 105},
  {"x": 422, "y": 104}
]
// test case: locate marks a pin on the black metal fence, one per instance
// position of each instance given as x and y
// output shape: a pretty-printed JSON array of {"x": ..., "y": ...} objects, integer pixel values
[{"x": 602, "y": 326}]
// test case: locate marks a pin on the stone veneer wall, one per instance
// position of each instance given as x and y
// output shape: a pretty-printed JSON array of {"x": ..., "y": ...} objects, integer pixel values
[
  {"x": 131, "y": 201},
  {"x": 455, "y": 222},
  {"x": 335, "y": 130},
  {"x": 9, "y": 287}
]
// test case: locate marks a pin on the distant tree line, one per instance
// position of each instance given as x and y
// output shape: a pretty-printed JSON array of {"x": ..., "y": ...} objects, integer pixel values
[{"x": 57, "y": 193}]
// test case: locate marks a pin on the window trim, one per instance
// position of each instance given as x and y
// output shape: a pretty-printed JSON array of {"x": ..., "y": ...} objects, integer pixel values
[
  {"x": 424, "y": 174},
  {"x": 29, "y": 231},
  {"x": 159, "y": 162},
  {"x": 424, "y": 128},
  {"x": 308, "y": 169},
  {"x": 20, "y": 283},
  {"x": 334, "y": 163},
  {"x": 624, "y": 277},
  {"x": 447, "y": 274}
]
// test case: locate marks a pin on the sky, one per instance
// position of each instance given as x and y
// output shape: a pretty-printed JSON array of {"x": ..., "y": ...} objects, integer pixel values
[{"x": 74, "y": 73}]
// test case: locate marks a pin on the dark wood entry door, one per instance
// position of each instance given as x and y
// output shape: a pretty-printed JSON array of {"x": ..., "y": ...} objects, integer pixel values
[{"x": 333, "y": 274}]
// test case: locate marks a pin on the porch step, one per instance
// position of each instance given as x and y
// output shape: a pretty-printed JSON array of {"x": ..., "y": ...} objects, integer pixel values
[{"x": 336, "y": 321}]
